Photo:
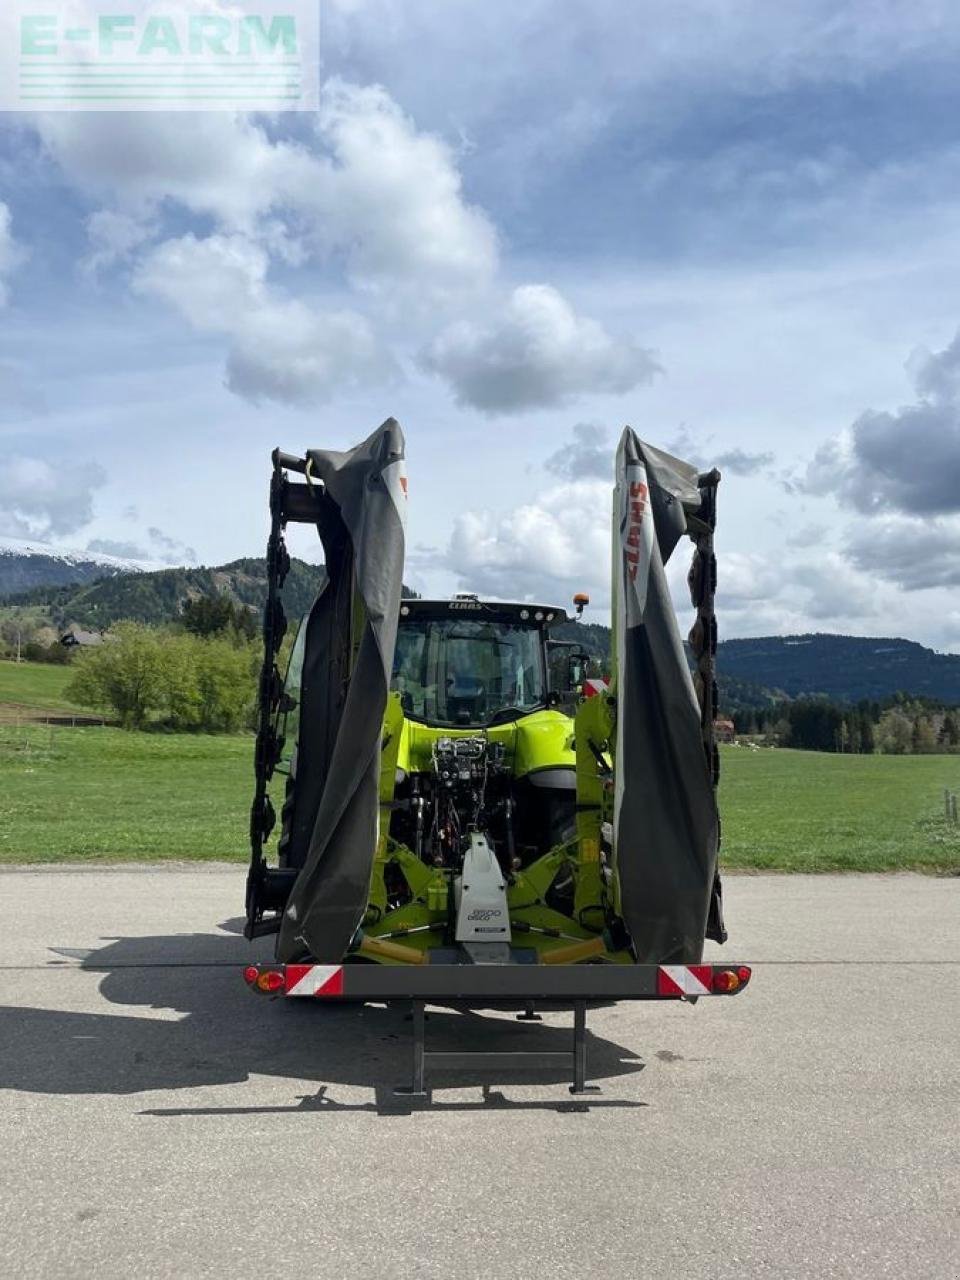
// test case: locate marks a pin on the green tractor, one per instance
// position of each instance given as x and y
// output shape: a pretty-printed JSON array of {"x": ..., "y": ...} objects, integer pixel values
[{"x": 490, "y": 841}]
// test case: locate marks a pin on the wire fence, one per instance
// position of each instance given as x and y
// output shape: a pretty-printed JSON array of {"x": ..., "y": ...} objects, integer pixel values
[
  {"x": 14, "y": 716},
  {"x": 32, "y": 734}
]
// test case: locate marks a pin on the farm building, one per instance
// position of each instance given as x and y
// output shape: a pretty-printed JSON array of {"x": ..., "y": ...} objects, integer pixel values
[{"x": 724, "y": 730}]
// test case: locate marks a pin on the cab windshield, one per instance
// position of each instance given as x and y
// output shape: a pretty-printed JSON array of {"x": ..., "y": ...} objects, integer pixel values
[{"x": 467, "y": 673}]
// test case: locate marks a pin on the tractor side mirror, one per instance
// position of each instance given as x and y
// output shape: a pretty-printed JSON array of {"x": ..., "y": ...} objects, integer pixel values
[{"x": 567, "y": 665}]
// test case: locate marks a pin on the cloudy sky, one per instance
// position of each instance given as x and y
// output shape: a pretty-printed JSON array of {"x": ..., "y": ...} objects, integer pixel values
[{"x": 731, "y": 224}]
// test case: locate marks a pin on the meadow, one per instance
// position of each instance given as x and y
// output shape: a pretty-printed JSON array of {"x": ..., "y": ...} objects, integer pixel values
[
  {"x": 34, "y": 686},
  {"x": 788, "y": 810},
  {"x": 107, "y": 795},
  {"x": 104, "y": 794}
]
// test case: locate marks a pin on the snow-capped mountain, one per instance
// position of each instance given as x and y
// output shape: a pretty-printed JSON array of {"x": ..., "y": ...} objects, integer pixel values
[{"x": 25, "y": 565}]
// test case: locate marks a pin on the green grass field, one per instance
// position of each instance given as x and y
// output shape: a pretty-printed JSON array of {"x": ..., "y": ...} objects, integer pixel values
[
  {"x": 104, "y": 794},
  {"x": 101, "y": 794},
  {"x": 34, "y": 685},
  {"x": 807, "y": 811}
]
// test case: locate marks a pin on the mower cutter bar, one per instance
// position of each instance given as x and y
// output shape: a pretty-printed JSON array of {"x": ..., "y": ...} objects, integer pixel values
[{"x": 521, "y": 982}]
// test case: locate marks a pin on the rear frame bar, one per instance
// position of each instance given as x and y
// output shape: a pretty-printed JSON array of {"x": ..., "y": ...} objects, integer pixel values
[{"x": 498, "y": 983}]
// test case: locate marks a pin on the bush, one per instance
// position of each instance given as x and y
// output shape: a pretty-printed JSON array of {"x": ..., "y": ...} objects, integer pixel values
[
  {"x": 226, "y": 683},
  {"x": 57, "y": 654},
  {"x": 170, "y": 678}
]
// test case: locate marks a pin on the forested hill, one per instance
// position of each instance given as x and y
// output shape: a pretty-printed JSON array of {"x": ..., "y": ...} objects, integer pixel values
[
  {"x": 844, "y": 668},
  {"x": 158, "y": 597},
  {"x": 735, "y": 694},
  {"x": 757, "y": 672}
]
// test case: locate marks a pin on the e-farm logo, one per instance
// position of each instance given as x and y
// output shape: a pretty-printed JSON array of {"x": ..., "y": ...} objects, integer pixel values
[{"x": 186, "y": 55}]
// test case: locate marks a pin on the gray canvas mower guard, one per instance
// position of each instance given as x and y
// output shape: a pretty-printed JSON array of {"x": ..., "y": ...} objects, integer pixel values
[{"x": 666, "y": 823}]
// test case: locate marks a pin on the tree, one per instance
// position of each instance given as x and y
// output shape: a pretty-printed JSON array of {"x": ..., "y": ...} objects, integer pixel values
[
  {"x": 14, "y": 632},
  {"x": 815, "y": 725},
  {"x": 867, "y": 739},
  {"x": 895, "y": 732},
  {"x": 126, "y": 675},
  {"x": 779, "y": 733},
  {"x": 850, "y": 732},
  {"x": 216, "y": 615},
  {"x": 950, "y": 731},
  {"x": 923, "y": 739}
]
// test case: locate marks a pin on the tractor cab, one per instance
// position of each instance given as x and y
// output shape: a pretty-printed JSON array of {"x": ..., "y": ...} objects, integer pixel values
[{"x": 471, "y": 664}]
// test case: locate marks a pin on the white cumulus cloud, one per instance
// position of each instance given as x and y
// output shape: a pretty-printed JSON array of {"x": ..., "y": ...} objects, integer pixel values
[
  {"x": 391, "y": 197},
  {"x": 218, "y": 164},
  {"x": 39, "y": 500},
  {"x": 546, "y": 549},
  {"x": 367, "y": 198},
  {"x": 539, "y": 353},
  {"x": 281, "y": 349},
  {"x": 368, "y": 189},
  {"x": 114, "y": 236}
]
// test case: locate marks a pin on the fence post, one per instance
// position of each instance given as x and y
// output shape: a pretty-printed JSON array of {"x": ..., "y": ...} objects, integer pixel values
[
  {"x": 953, "y": 806},
  {"x": 946, "y": 803}
]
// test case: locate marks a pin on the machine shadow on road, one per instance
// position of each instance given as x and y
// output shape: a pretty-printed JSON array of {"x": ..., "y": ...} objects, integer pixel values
[{"x": 225, "y": 1035}]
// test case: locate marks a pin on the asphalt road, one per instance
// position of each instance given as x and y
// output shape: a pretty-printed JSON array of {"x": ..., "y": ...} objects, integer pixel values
[{"x": 156, "y": 1119}]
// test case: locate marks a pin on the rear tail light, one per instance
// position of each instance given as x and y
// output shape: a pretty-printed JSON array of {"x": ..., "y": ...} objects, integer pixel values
[
  {"x": 250, "y": 974},
  {"x": 270, "y": 980},
  {"x": 725, "y": 980}
]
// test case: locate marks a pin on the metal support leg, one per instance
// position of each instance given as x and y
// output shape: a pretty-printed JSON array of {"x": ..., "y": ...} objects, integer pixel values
[
  {"x": 494, "y": 1060},
  {"x": 419, "y": 1047},
  {"x": 580, "y": 1051},
  {"x": 418, "y": 1085},
  {"x": 529, "y": 1014}
]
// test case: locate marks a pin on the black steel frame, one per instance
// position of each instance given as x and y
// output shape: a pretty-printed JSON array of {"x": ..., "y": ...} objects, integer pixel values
[{"x": 575, "y": 1058}]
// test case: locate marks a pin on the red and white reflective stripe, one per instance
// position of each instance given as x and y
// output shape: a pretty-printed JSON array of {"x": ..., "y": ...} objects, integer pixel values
[
  {"x": 685, "y": 980},
  {"x": 595, "y": 686},
  {"x": 314, "y": 979}
]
